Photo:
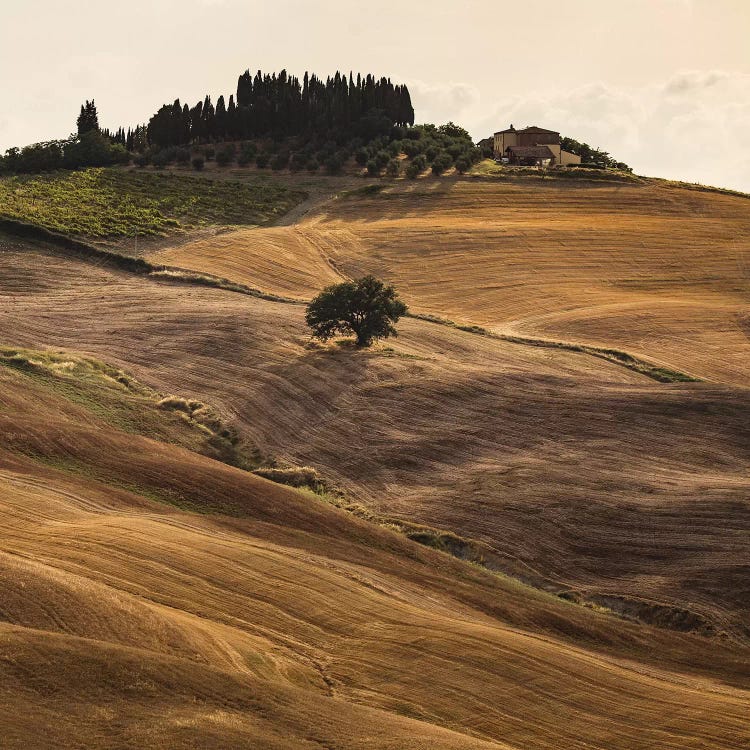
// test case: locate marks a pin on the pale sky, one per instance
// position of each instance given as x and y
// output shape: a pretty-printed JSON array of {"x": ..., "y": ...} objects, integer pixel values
[{"x": 661, "y": 84}]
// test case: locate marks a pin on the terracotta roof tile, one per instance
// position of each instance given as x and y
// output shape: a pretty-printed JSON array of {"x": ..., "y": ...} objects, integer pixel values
[{"x": 536, "y": 152}]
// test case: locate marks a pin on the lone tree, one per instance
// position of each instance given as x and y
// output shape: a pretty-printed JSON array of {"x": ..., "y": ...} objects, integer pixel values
[{"x": 365, "y": 307}]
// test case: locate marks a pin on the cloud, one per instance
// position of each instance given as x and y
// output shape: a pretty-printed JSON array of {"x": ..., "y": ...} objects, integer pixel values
[
  {"x": 441, "y": 102},
  {"x": 692, "y": 126},
  {"x": 693, "y": 81}
]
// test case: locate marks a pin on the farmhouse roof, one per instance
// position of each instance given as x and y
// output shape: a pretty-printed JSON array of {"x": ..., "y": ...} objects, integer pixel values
[
  {"x": 535, "y": 152},
  {"x": 536, "y": 129}
]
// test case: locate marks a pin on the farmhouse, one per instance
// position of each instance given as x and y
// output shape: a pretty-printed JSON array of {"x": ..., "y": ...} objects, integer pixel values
[{"x": 532, "y": 146}]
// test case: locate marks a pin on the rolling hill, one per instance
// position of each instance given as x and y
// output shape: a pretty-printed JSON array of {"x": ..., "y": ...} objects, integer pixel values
[
  {"x": 659, "y": 270},
  {"x": 185, "y": 602}
]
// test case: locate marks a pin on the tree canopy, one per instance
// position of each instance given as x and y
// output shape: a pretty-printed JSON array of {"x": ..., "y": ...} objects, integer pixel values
[
  {"x": 275, "y": 121},
  {"x": 283, "y": 106},
  {"x": 366, "y": 307}
]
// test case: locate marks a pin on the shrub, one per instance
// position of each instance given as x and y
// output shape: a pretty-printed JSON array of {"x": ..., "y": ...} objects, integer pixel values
[
  {"x": 249, "y": 150},
  {"x": 299, "y": 159},
  {"x": 372, "y": 168},
  {"x": 432, "y": 151},
  {"x": 312, "y": 165},
  {"x": 160, "y": 160},
  {"x": 361, "y": 156},
  {"x": 38, "y": 157},
  {"x": 182, "y": 156},
  {"x": 90, "y": 149},
  {"x": 226, "y": 154},
  {"x": 142, "y": 160},
  {"x": 298, "y": 476},
  {"x": 209, "y": 153},
  {"x": 413, "y": 171},
  {"x": 365, "y": 307},
  {"x": 420, "y": 162},
  {"x": 411, "y": 148},
  {"x": 394, "y": 168},
  {"x": 261, "y": 161},
  {"x": 198, "y": 163},
  {"x": 382, "y": 158},
  {"x": 455, "y": 150},
  {"x": 463, "y": 164},
  {"x": 442, "y": 162},
  {"x": 334, "y": 163},
  {"x": 280, "y": 161},
  {"x": 119, "y": 154},
  {"x": 170, "y": 154}
]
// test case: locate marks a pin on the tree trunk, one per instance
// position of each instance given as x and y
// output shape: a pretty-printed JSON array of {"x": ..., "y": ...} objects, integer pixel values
[{"x": 363, "y": 339}]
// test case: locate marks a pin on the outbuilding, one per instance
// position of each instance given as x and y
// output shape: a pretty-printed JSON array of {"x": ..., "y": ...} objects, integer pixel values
[{"x": 530, "y": 156}]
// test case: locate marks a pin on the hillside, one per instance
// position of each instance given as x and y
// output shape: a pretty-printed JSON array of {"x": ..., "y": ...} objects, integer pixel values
[
  {"x": 273, "y": 618},
  {"x": 660, "y": 271},
  {"x": 117, "y": 204}
]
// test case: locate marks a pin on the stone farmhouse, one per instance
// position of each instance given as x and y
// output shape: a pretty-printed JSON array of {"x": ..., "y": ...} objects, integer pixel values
[{"x": 532, "y": 146}]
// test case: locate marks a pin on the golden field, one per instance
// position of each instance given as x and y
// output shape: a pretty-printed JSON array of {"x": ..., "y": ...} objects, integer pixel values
[
  {"x": 153, "y": 596},
  {"x": 658, "y": 270}
]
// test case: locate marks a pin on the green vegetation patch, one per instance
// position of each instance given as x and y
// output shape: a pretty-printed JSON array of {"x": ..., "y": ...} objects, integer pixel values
[
  {"x": 119, "y": 400},
  {"x": 490, "y": 168},
  {"x": 300, "y": 477},
  {"x": 366, "y": 190},
  {"x": 67, "y": 367},
  {"x": 101, "y": 203}
]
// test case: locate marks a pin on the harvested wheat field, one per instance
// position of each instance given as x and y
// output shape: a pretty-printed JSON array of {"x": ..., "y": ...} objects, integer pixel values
[
  {"x": 656, "y": 269},
  {"x": 288, "y": 622},
  {"x": 155, "y": 596}
]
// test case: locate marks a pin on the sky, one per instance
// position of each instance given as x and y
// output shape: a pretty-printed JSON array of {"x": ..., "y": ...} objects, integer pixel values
[{"x": 663, "y": 85}]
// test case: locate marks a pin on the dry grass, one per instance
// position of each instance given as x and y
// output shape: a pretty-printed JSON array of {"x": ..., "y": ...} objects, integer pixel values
[
  {"x": 294, "y": 620},
  {"x": 657, "y": 271},
  {"x": 584, "y": 447},
  {"x": 287, "y": 621},
  {"x": 286, "y": 261}
]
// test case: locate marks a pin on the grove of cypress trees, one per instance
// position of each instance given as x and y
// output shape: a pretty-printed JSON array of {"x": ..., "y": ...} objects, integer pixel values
[{"x": 280, "y": 106}]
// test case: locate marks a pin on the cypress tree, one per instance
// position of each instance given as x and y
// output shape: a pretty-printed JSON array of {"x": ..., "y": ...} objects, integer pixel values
[
  {"x": 88, "y": 119},
  {"x": 221, "y": 131},
  {"x": 232, "y": 123},
  {"x": 333, "y": 110}
]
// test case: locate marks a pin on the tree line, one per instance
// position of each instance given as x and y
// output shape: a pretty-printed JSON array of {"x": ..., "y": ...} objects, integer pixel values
[
  {"x": 326, "y": 119},
  {"x": 592, "y": 157},
  {"x": 281, "y": 106}
]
